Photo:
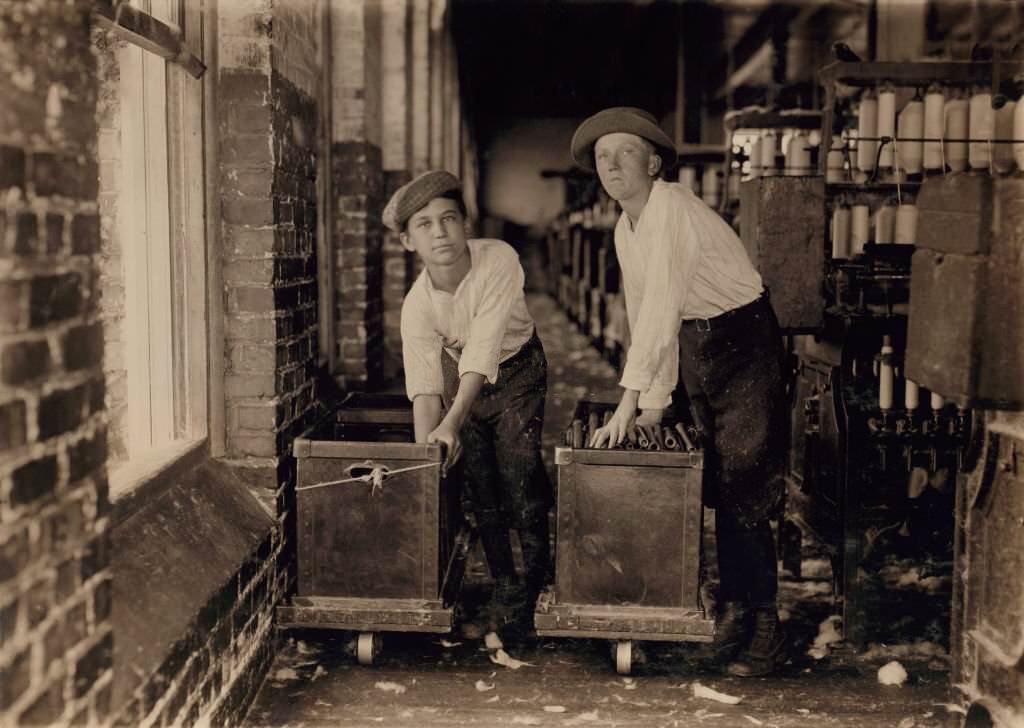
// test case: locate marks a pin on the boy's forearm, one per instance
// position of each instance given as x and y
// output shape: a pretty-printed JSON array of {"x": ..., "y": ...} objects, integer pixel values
[
  {"x": 426, "y": 414},
  {"x": 470, "y": 385}
]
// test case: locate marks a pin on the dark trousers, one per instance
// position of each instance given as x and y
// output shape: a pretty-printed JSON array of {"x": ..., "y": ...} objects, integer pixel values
[
  {"x": 505, "y": 483},
  {"x": 731, "y": 367}
]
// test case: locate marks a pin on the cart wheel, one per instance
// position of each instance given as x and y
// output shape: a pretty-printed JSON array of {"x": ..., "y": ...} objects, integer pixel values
[
  {"x": 623, "y": 656},
  {"x": 367, "y": 647}
]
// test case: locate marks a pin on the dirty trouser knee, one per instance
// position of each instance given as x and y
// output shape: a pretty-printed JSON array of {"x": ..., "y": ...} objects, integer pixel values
[{"x": 747, "y": 570}]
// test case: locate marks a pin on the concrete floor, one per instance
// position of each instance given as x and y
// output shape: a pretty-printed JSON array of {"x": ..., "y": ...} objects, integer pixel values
[{"x": 421, "y": 680}]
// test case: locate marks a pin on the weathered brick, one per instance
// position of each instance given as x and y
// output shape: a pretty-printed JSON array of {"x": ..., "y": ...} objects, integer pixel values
[
  {"x": 254, "y": 299},
  {"x": 34, "y": 479},
  {"x": 92, "y": 664},
  {"x": 83, "y": 346},
  {"x": 9, "y": 620},
  {"x": 46, "y": 173},
  {"x": 85, "y": 234},
  {"x": 54, "y": 298},
  {"x": 24, "y": 361},
  {"x": 15, "y": 678},
  {"x": 67, "y": 578},
  {"x": 249, "y": 385},
  {"x": 86, "y": 455},
  {"x": 26, "y": 234},
  {"x": 62, "y": 410},
  {"x": 54, "y": 233},
  {"x": 14, "y": 553},
  {"x": 102, "y": 601},
  {"x": 66, "y": 526},
  {"x": 38, "y": 601},
  {"x": 46, "y": 709},
  {"x": 13, "y": 432},
  {"x": 258, "y": 417},
  {"x": 251, "y": 242},
  {"x": 12, "y": 167},
  {"x": 248, "y": 211}
]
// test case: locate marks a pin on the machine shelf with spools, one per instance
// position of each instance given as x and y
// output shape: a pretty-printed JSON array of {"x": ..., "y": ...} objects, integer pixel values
[
  {"x": 628, "y": 540},
  {"x": 381, "y": 542}
]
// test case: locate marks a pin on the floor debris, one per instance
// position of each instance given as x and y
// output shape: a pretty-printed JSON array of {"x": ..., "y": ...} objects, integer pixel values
[
  {"x": 753, "y": 720},
  {"x": 554, "y": 708},
  {"x": 492, "y": 641},
  {"x": 892, "y": 673},
  {"x": 483, "y": 687},
  {"x": 701, "y": 691},
  {"x": 390, "y": 687},
  {"x": 286, "y": 673},
  {"x": 828, "y": 634},
  {"x": 500, "y": 657}
]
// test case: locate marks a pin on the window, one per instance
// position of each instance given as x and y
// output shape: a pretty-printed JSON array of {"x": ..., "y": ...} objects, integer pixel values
[{"x": 153, "y": 267}]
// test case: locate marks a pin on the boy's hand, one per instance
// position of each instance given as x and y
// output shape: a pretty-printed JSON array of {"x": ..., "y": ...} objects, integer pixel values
[
  {"x": 612, "y": 434},
  {"x": 447, "y": 437}
]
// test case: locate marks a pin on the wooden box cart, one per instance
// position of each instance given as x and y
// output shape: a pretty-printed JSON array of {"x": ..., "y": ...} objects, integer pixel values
[
  {"x": 380, "y": 545},
  {"x": 628, "y": 535}
]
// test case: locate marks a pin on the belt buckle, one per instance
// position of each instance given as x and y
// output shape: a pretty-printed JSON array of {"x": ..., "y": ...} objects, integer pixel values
[{"x": 703, "y": 325}]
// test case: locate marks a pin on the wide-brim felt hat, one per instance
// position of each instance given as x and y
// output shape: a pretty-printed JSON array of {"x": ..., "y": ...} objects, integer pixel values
[
  {"x": 413, "y": 196},
  {"x": 620, "y": 119}
]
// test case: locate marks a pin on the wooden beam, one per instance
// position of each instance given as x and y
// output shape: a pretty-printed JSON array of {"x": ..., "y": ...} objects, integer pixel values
[{"x": 150, "y": 34}]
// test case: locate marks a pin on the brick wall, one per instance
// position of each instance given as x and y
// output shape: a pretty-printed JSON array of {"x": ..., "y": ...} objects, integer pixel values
[
  {"x": 359, "y": 192},
  {"x": 55, "y": 638}
]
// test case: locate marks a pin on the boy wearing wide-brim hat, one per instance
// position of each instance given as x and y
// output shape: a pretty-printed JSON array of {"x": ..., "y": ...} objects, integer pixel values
[
  {"x": 696, "y": 306},
  {"x": 477, "y": 376}
]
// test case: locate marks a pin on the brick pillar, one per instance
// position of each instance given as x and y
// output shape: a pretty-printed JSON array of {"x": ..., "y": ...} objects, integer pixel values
[
  {"x": 55, "y": 638},
  {"x": 358, "y": 186},
  {"x": 396, "y": 50},
  {"x": 268, "y": 206}
]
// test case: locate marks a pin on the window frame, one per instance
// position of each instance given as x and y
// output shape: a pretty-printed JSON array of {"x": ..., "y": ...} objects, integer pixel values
[{"x": 170, "y": 191}]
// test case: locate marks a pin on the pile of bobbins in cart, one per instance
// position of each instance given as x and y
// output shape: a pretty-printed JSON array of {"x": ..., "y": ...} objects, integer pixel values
[{"x": 674, "y": 436}]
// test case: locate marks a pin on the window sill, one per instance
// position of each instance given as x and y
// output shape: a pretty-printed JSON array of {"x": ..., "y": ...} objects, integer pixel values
[{"x": 143, "y": 479}]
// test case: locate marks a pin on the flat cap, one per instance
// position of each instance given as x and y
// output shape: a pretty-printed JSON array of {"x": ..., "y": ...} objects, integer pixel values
[
  {"x": 413, "y": 196},
  {"x": 620, "y": 119}
]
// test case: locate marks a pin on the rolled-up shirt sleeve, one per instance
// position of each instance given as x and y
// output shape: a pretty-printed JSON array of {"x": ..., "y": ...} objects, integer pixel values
[
  {"x": 504, "y": 284},
  {"x": 652, "y": 364},
  {"x": 421, "y": 349}
]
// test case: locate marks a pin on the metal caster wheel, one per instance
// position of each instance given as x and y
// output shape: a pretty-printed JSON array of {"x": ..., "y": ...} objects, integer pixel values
[
  {"x": 623, "y": 657},
  {"x": 367, "y": 648}
]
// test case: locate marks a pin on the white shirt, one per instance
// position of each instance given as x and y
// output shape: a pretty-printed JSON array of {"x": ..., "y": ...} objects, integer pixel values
[
  {"x": 481, "y": 325},
  {"x": 682, "y": 261}
]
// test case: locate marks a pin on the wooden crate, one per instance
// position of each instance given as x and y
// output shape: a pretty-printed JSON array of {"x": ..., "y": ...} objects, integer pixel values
[
  {"x": 384, "y": 557},
  {"x": 628, "y": 537}
]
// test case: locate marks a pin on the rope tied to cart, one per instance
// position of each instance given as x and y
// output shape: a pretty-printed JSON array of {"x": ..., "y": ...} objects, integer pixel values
[{"x": 376, "y": 476}]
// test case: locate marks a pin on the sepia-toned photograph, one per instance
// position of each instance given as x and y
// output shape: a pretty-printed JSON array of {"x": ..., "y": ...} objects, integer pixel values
[{"x": 557, "y": 363}]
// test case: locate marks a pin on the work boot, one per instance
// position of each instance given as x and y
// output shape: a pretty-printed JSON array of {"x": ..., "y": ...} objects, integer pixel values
[
  {"x": 767, "y": 649},
  {"x": 732, "y": 631}
]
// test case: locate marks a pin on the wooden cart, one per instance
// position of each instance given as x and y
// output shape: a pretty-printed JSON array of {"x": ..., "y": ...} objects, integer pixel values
[
  {"x": 383, "y": 550},
  {"x": 628, "y": 540}
]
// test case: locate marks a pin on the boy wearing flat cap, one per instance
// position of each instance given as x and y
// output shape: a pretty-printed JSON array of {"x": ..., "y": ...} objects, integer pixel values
[
  {"x": 696, "y": 305},
  {"x": 476, "y": 374}
]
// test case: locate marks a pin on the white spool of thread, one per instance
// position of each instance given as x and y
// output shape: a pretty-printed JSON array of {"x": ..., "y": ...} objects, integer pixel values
[
  {"x": 957, "y": 117},
  {"x": 768, "y": 151},
  {"x": 885, "y": 375},
  {"x": 934, "y": 120},
  {"x": 1018, "y": 133},
  {"x": 867, "y": 126},
  {"x": 911, "y": 396},
  {"x": 755, "y": 157},
  {"x": 860, "y": 217},
  {"x": 886, "y": 125},
  {"x": 798, "y": 155},
  {"x": 906, "y": 225},
  {"x": 834, "y": 171},
  {"x": 688, "y": 178},
  {"x": 710, "y": 186},
  {"x": 981, "y": 125},
  {"x": 885, "y": 225},
  {"x": 840, "y": 232},
  {"x": 910, "y": 126},
  {"x": 937, "y": 402},
  {"x": 1002, "y": 154}
]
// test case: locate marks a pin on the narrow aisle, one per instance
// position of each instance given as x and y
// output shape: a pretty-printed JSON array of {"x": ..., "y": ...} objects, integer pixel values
[{"x": 425, "y": 680}]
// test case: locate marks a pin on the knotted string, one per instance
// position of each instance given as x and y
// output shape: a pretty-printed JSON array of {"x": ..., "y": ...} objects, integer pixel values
[{"x": 375, "y": 477}]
